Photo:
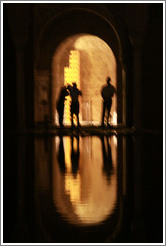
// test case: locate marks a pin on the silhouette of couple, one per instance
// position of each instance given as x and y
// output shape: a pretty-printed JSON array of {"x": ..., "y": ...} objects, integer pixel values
[
  {"x": 74, "y": 93},
  {"x": 107, "y": 93}
]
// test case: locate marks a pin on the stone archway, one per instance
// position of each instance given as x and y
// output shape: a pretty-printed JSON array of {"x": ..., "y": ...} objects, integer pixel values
[{"x": 57, "y": 31}]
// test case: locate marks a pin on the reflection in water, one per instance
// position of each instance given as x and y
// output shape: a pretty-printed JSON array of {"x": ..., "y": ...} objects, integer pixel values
[
  {"x": 61, "y": 156},
  {"x": 107, "y": 158},
  {"x": 75, "y": 153},
  {"x": 85, "y": 178}
]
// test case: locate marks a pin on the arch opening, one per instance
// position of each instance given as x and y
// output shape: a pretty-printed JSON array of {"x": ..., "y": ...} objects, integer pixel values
[{"x": 87, "y": 60}]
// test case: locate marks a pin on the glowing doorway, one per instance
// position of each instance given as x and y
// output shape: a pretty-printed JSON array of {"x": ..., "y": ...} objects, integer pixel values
[{"x": 95, "y": 62}]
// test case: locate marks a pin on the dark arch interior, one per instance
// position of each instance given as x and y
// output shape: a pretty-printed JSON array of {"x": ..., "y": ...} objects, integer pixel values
[{"x": 66, "y": 24}]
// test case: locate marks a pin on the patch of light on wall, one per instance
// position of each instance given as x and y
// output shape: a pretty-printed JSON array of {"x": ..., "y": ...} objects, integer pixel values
[
  {"x": 71, "y": 74},
  {"x": 114, "y": 118}
]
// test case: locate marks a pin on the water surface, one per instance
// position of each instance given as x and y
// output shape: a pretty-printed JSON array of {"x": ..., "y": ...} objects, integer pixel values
[{"x": 79, "y": 183}]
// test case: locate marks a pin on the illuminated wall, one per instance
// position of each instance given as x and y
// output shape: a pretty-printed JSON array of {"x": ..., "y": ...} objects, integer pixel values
[{"x": 71, "y": 74}]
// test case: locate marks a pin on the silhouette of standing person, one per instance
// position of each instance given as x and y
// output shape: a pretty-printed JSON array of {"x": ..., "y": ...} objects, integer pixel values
[
  {"x": 107, "y": 93},
  {"x": 74, "y": 108},
  {"x": 60, "y": 104}
]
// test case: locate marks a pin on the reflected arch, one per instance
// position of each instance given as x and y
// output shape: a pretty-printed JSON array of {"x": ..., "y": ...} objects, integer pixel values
[{"x": 91, "y": 196}]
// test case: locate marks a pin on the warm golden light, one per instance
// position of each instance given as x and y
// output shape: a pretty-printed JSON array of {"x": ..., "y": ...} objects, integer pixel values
[
  {"x": 71, "y": 74},
  {"x": 87, "y": 197},
  {"x": 88, "y": 61},
  {"x": 72, "y": 184},
  {"x": 114, "y": 118},
  {"x": 67, "y": 156}
]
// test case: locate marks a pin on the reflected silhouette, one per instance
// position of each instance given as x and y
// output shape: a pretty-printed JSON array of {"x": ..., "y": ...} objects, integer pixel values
[
  {"x": 107, "y": 158},
  {"x": 75, "y": 154},
  {"x": 61, "y": 156}
]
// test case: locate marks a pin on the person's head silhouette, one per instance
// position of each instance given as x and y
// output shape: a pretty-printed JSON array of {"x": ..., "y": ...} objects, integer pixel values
[
  {"x": 108, "y": 80},
  {"x": 74, "y": 84}
]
